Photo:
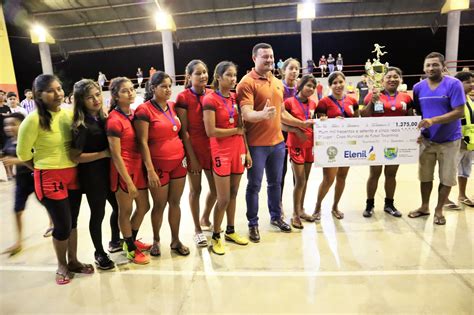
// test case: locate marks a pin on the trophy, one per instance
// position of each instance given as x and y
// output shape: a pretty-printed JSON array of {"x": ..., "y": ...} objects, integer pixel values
[{"x": 375, "y": 72}]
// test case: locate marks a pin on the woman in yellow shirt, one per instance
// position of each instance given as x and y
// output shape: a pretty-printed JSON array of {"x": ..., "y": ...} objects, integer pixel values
[{"x": 44, "y": 142}]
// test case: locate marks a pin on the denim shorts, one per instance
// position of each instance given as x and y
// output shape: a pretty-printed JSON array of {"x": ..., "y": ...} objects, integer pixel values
[{"x": 465, "y": 163}]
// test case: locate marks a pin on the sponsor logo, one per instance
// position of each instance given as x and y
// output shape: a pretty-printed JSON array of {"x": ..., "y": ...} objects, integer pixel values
[
  {"x": 360, "y": 155},
  {"x": 390, "y": 153},
  {"x": 331, "y": 152}
]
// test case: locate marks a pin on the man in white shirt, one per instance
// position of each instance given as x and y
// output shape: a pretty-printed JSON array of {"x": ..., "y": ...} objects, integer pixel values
[
  {"x": 28, "y": 103},
  {"x": 12, "y": 102}
]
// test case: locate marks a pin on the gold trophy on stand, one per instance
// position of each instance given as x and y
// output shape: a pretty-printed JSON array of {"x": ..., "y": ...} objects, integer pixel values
[{"x": 375, "y": 72}]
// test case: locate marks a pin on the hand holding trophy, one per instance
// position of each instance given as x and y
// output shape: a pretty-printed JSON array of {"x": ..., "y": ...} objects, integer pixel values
[{"x": 375, "y": 73}]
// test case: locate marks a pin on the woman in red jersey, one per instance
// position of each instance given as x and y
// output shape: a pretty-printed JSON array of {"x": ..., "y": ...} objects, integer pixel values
[
  {"x": 162, "y": 150},
  {"x": 230, "y": 155},
  {"x": 389, "y": 103},
  {"x": 196, "y": 143},
  {"x": 336, "y": 105},
  {"x": 301, "y": 146},
  {"x": 126, "y": 175},
  {"x": 291, "y": 71}
]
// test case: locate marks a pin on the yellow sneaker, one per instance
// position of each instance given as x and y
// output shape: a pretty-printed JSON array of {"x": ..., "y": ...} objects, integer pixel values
[
  {"x": 236, "y": 238},
  {"x": 217, "y": 246}
]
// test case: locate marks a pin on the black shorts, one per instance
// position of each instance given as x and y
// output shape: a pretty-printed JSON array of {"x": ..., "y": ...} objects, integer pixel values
[{"x": 25, "y": 186}]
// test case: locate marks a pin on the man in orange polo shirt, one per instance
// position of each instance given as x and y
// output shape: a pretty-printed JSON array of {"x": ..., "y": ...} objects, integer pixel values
[{"x": 260, "y": 96}]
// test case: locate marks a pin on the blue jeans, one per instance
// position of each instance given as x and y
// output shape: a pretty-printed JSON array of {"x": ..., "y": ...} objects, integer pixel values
[
  {"x": 331, "y": 68},
  {"x": 270, "y": 159}
]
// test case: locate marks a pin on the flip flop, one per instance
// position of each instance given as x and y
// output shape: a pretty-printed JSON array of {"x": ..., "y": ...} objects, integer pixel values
[
  {"x": 155, "y": 249},
  {"x": 62, "y": 279},
  {"x": 337, "y": 214},
  {"x": 417, "y": 213},
  {"x": 439, "y": 220},
  {"x": 307, "y": 217},
  {"x": 452, "y": 206},
  {"x": 468, "y": 202},
  {"x": 49, "y": 232},
  {"x": 180, "y": 250},
  {"x": 317, "y": 215},
  {"x": 84, "y": 268},
  {"x": 12, "y": 251},
  {"x": 296, "y": 223}
]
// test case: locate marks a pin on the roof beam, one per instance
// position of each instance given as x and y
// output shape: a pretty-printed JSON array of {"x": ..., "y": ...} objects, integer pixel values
[
  {"x": 240, "y": 23},
  {"x": 98, "y": 7},
  {"x": 185, "y": 13},
  {"x": 321, "y": 17},
  {"x": 79, "y": 51}
]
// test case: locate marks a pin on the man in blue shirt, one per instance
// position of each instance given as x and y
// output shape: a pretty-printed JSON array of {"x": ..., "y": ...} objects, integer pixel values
[{"x": 440, "y": 101}]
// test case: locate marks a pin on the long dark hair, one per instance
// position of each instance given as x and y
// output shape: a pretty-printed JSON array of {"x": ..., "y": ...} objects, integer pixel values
[
  {"x": 114, "y": 88},
  {"x": 41, "y": 84},
  {"x": 219, "y": 71},
  {"x": 190, "y": 69},
  {"x": 305, "y": 79},
  {"x": 154, "y": 81},
  {"x": 81, "y": 89}
]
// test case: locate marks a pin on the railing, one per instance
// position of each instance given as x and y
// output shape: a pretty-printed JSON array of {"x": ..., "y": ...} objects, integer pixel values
[{"x": 352, "y": 70}]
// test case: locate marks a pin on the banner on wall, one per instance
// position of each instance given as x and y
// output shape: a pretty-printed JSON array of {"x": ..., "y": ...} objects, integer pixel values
[{"x": 366, "y": 141}]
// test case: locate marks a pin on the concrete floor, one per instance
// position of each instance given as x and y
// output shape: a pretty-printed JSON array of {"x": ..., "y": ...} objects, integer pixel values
[{"x": 379, "y": 265}]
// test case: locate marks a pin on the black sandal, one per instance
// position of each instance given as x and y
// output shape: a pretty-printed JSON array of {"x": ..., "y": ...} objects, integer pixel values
[{"x": 181, "y": 250}]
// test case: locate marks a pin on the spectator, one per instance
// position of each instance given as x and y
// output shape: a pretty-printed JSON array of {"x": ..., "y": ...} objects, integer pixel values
[
  {"x": 310, "y": 64},
  {"x": 101, "y": 79},
  {"x": 339, "y": 62},
  {"x": 151, "y": 72},
  {"x": 12, "y": 101},
  {"x": 139, "y": 77},
  {"x": 466, "y": 154},
  {"x": 280, "y": 67},
  {"x": 362, "y": 89},
  {"x": 331, "y": 61},
  {"x": 319, "y": 90},
  {"x": 28, "y": 103},
  {"x": 4, "y": 111},
  {"x": 323, "y": 65}
]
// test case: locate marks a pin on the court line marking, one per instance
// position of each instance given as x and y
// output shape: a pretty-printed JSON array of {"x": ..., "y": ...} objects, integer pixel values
[{"x": 256, "y": 273}]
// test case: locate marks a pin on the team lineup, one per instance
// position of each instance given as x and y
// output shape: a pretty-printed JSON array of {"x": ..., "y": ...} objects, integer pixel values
[{"x": 120, "y": 155}]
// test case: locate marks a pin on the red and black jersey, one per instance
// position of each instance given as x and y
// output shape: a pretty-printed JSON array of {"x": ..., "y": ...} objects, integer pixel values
[
  {"x": 397, "y": 105},
  {"x": 163, "y": 131},
  {"x": 193, "y": 103},
  {"x": 333, "y": 108},
  {"x": 120, "y": 125},
  {"x": 302, "y": 111},
  {"x": 226, "y": 109},
  {"x": 226, "y": 113}
]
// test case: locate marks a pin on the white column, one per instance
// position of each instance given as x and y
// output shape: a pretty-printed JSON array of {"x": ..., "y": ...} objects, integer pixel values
[
  {"x": 306, "y": 42},
  {"x": 45, "y": 55},
  {"x": 452, "y": 38},
  {"x": 168, "y": 54}
]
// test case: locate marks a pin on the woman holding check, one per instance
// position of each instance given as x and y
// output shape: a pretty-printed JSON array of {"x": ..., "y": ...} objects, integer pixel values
[
  {"x": 337, "y": 105},
  {"x": 385, "y": 103}
]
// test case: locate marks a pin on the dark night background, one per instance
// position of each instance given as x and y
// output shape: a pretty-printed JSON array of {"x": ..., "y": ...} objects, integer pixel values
[{"x": 406, "y": 48}]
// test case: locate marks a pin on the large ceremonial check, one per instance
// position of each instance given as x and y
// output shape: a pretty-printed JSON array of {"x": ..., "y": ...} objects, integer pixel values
[{"x": 366, "y": 141}]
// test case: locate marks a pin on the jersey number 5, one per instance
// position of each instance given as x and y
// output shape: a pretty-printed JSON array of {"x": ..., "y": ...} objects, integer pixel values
[{"x": 218, "y": 162}]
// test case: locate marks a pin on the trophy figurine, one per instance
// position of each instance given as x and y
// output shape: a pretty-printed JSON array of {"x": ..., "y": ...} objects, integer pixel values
[{"x": 375, "y": 72}]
